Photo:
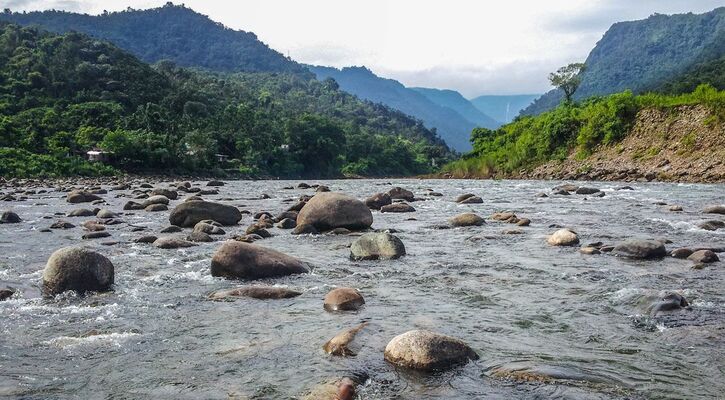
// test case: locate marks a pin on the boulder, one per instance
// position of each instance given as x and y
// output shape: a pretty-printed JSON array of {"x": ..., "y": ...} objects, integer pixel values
[
  {"x": 718, "y": 209},
  {"x": 523, "y": 222},
  {"x": 6, "y": 294},
  {"x": 472, "y": 200},
  {"x": 586, "y": 190},
  {"x": 215, "y": 183},
  {"x": 79, "y": 196},
  {"x": 675, "y": 208},
  {"x": 563, "y": 237},
  {"x": 401, "y": 194},
  {"x": 169, "y": 242},
  {"x": 93, "y": 226},
  {"x": 209, "y": 227},
  {"x": 9, "y": 217},
  {"x": 374, "y": 246},
  {"x": 378, "y": 200},
  {"x": 642, "y": 249},
  {"x": 106, "y": 214},
  {"x": 156, "y": 207},
  {"x": 305, "y": 229},
  {"x": 63, "y": 225},
  {"x": 199, "y": 237},
  {"x": 79, "y": 269},
  {"x": 132, "y": 205},
  {"x": 397, "y": 208},
  {"x": 711, "y": 225},
  {"x": 190, "y": 213},
  {"x": 322, "y": 188},
  {"x": 157, "y": 199},
  {"x": 503, "y": 216},
  {"x": 427, "y": 351},
  {"x": 287, "y": 223},
  {"x": 328, "y": 210},
  {"x": 81, "y": 212},
  {"x": 467, "y": 219},
  {"x": 589, "y": 250},
  {"x": 464, "y": 197},
  {"x": 145, "y": 239},
  {"x": 255, "y": 292},
  {"x": 343, "y": 299},
  {"x": 171, "y": 229},
  {"x": 96, "y": 235},
  {"x": 567, "y": 187},
  {"x": 168, "y": 193},
  {"x": 681, "y": 252},
  {"x": 239, "y": 260},
  {"x": 703, "y": 256}
]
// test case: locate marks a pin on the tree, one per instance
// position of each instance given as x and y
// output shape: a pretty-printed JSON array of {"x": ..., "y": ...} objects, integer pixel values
[{"x": 568, "y": 79}]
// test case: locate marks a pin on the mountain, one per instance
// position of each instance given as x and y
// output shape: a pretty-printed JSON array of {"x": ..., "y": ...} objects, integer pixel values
[
  {"x": 170, "y": 32},
  {"x": 453, "y": 100},
  {"x": 452, "y": 127},
  {"x": 637, "y": 55},
  {"x": 62, "y": 95},
  {"x": 503, "y": 108}
]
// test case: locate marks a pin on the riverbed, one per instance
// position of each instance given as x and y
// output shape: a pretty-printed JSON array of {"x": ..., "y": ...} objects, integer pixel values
[{"x": 582, "y": 321}]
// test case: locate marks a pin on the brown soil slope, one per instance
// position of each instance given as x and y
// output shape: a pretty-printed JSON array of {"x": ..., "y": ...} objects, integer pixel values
[{"x": 682, "y": 144}]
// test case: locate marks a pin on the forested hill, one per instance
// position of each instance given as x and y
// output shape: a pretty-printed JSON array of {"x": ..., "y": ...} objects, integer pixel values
[
  {"x": 641, "y": 55},
  {"x": 360, "y": 81},
  {"x": 456, "y": 102},
  {"x": 61, "y": 95},
  {"x": 170, "y": 32}
]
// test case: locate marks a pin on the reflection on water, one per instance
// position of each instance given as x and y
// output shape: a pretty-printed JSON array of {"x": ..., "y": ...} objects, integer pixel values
[{"x": 547, "y": 322}]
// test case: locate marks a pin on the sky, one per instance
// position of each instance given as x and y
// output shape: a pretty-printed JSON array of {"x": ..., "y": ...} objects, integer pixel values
[{"x": 473, "y": 46}]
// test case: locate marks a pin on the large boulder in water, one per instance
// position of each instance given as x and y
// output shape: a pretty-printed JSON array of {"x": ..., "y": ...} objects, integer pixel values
[
  {"x": 9, "y": 217},
  {"x": 328, "y": 210},
  {"x": 398, "y": 193},
  {"x": 374, "y": 246},
  {"x": 191, "y": 213},
  {"x": 343, "y": 299},
  {"x": 563, "y": 237},
  {"x": 79, "y": 269},
  {"x": 239, "y": 260},
  {"x": 80, "y": 196},
  {"x": 643, "y": 249},
  {"x": 255, "y": 292},
  {"x": 718, "y": 209},
  {"x": 425, "y": 350}
]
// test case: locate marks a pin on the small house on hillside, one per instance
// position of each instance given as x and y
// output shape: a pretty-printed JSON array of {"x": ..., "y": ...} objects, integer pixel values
[{"x": 98, "y": 155}]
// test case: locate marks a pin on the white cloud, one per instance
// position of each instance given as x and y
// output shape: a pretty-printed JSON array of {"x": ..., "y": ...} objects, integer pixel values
[{"x": 475, "y": 47}]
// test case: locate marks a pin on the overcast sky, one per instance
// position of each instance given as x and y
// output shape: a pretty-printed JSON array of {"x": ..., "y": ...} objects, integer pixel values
[{"x": 473, "y": 46}]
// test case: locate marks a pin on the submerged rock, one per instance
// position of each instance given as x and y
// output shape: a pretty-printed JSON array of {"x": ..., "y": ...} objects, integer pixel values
[
  {"x": 471, "y": 200},
  {"x": 711, "y": 225},
  {"x": 343, "y": 299},
  {"x": 79, "y": 269},
  {"x": 425, "y": 350},
  {"x": 6, "y": 294},
  {"x": 190, "y": 213},
  {"x": 239, "y": 260},
  {"x": 669, "y": 302},
  {"x": 373, "y": 246},
  {"x": 467, "y": 219},
  {"x": 681, "y": 253},
  {"x": 328, "y": 210},
  {"x": 642, "y": 249},
  {"x": 563, "y": 237},
  {"x": 397, "y": 208},
  {"x": 339, "y": 345},
  {"x": 255, "y": 292}
]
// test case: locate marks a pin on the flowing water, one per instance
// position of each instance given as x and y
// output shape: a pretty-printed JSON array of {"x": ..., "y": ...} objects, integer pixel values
[{"x": 580, "y": 320}]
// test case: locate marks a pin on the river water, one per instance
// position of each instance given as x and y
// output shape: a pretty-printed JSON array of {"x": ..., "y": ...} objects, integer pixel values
[{"x": 519, "y": 302}]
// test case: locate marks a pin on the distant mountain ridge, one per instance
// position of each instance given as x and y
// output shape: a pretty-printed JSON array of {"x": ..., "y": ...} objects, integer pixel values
[
  {"x": 458, "y": 103},
  {"x": 452, "y": 127},
  {"x": 503, "y": 108},
  {"x": 638, "y": 55},
  {"x": 175, "y": 33}
]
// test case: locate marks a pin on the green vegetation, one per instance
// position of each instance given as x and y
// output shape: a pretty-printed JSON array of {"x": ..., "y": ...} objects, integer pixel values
[
  {"x": 567, "y": 79},
  {"x": 663, "y": 53},
  {"x": 532, "y": 140},
  {"x": 61, "y": 95}
]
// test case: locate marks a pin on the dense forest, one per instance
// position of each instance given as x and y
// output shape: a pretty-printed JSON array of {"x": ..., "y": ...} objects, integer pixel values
[
  {"x": 175, "y": 33},
  {"x": 645, "y": 55},
  {"x": 61, "y": 95},
  {"x": 571, "y": 127}
]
